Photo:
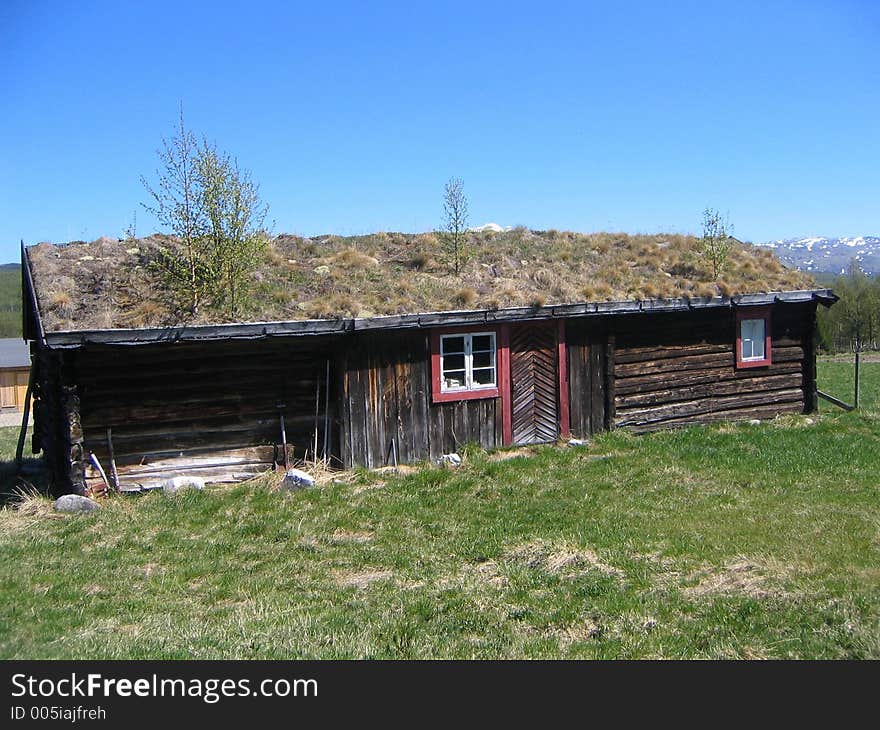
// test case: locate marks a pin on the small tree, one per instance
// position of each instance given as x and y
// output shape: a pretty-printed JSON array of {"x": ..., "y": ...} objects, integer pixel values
[
  {"x": 178, "y": 204},
  {"x": 214, "y": 210},
  {"x": 235, "y": 239},
  {"x": 717, "y": 240},
  {"x": 455, "y": 213},
  {"x": 858, "y": 309}
]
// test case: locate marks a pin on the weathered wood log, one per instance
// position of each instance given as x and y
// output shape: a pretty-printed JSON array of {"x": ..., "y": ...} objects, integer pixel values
[
  {"x": 667, "y": 365},
  {"x": 697, "y": 362},
  {"x": 734, "y": 414},
  {"x": 685, "y": 409},
  {"x": 661, "y": 381},
  {"x": 657, "y": 352},
  {"x": 643, "y": 354},
  {"x": 724, "y": 387}
]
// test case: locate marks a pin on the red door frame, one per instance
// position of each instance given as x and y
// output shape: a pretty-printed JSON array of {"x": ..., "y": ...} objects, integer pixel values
[
  {"x": 562, "y": 369},
  {"x": 505, "y": 384}
]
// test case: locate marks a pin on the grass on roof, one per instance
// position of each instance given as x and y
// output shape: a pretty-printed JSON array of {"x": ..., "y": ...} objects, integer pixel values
[{"x": 110, "y": 284}]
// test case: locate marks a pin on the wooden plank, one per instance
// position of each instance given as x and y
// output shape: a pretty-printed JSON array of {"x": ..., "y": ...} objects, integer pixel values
[
  {"x": 506, "y": 432},
  {"x": 611, "y": 382},
  {"x": 836, "y": 401},
  {"x": 578, "y": 382},
  {"x": 597, "y": 386},
  {"x": 214, "y": 457},
  {"x": 811, "y": 396},
  {"x": 562, "y": 387},
  {"x": 419, "y": 395}
]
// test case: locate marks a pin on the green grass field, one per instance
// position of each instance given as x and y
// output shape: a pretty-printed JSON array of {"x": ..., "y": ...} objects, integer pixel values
[{"x": 733, "y": 541}]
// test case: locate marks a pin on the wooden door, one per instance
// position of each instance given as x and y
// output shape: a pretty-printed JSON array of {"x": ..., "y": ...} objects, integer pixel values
[{"x": 534, "y": 383}]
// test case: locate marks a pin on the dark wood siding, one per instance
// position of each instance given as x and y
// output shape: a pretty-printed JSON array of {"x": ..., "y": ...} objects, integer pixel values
[
  {"x": 183, "y": 399},
  {"x": 57, "y": 426},
  {"x": 678, "y": 369},
  {"x": 587, "y": 347},
  {"x": 386, "y": 404}
]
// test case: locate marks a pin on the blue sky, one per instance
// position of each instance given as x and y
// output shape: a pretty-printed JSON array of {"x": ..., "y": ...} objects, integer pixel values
[{"x": 584, "y": 116}]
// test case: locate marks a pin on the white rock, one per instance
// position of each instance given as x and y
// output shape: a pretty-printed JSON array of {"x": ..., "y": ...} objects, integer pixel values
[
  {"x": 754, "y": 422},
  {"x": 452, "y": 460},
  {"x": 297, "y": 479},
  {"x": 175, "y": 484},
  {"x": 578, "y": 442},
  {"x": 75, "y": 503}
]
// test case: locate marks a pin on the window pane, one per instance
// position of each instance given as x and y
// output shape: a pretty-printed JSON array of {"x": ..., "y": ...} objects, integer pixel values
[
  {"x": 451, "y": 344},
  {"x": 453, "y": 380},
  {"x": 484, "y": 359},
  {"x": 453, "y": 362},
  {"x": 482, "y": 343},
  {"x": 752, "y": 335},
  {"x": 484, "y": 376}
]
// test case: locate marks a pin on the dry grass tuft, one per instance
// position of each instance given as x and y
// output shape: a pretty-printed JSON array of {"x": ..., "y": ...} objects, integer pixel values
[
  {"x": 360, "y": 579},
  {"x": 742, "y": 577},
  {"x": 420, "y": 261},
  {"x": 351, "y": 258},
  {"x": 465, "y": 297},
  {"x": 564, "y": 559}
]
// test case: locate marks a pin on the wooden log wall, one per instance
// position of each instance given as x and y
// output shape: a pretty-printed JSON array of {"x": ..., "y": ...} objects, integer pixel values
[
  {"x": 386, "y": 404},
  {"x": 675, "y": 370},
  {"x": 588, "y": 352},
  {"x": 58, "y": 429},
  {"x": 186, "y": 400}
]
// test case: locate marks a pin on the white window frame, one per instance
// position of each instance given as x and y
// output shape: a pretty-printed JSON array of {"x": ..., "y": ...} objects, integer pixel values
[
  {"x": 762, "y": 340},
  {"x": 469, "y": 384}
]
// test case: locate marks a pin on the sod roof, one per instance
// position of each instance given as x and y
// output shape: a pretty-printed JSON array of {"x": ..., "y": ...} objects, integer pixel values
[{"x": 111, "y": 284}]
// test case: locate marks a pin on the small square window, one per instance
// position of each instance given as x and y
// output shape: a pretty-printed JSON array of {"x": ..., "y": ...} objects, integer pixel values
[
  {"x": 752, "y": 339},
  {"x": 753, "y": 342},
  {"x": 464, "y": 366}
]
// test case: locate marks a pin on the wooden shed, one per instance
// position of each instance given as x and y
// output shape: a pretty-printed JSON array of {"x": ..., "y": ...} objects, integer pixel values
[
  {"x": 220, "y": 400},
  {"x": 15, "y": 368}
]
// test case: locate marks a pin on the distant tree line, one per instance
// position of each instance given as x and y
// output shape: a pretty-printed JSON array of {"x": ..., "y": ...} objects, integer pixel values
[
  {"x": 853, "y": 324},
  {"x": 10, "y": 301}
]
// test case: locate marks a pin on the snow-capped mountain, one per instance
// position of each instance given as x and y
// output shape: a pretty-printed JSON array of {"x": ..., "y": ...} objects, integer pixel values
[
  {"x": 833, "y": 255},
  {"x": 494, "y": 227}
]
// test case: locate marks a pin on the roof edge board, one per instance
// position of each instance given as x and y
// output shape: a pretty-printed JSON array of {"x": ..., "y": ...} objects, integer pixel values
[{"x": 296, "y": 328}]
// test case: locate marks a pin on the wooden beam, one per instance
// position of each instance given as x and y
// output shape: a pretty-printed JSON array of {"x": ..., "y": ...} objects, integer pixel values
[
  {"x": 835, "y": 401},
  {"x": 562, "y": 370}
]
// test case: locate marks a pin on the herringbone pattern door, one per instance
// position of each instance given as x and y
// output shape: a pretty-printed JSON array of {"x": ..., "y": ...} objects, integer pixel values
[{"x": 533, "y": 382}]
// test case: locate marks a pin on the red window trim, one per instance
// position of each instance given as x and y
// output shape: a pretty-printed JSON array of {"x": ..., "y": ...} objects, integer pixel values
[
  {"x": 754, "y": 313},
  {"x": 437, "y": 396}
]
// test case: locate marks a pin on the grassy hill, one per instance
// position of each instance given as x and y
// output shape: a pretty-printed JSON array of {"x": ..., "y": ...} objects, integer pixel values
[
  {"x": 10, "y": 300},
  {"x": 734, "y": 541}
]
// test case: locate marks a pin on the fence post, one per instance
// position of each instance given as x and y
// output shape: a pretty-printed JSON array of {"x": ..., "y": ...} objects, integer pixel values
[{"x": 856, "y": 396}]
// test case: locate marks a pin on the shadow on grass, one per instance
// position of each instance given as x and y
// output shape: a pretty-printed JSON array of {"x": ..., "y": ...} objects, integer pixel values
[{"x": 31, "y": 478}]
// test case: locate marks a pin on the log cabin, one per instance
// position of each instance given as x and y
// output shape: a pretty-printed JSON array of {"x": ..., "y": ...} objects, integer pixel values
[{"x": 226, "y": 400}]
